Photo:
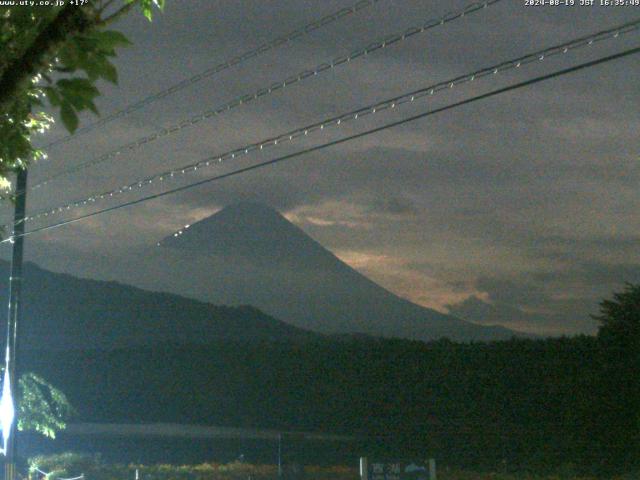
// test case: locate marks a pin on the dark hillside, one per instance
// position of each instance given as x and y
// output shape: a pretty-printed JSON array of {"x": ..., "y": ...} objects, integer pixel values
[
  {"x": 66, "y": 312},
  {"x": 523, "y": 402}
]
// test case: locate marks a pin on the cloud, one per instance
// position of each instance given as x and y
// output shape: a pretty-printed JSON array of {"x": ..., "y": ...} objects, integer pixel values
[
  {"x": 553, "y": 302},
  {"x": 506, "y": 291},
  {"x": 334, "y": 213},
  {"x": 526, "y": 307},
  {"x": 394, "y": 205},
  {"x": 397, "y": 274},
  {"x": 368, "y": 261},
  {"x": 475, "y": 310},
  {"x": 600, "y": 274}
]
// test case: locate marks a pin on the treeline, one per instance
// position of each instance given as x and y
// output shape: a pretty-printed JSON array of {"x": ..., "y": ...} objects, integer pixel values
[{"x": 517, "y": 404}]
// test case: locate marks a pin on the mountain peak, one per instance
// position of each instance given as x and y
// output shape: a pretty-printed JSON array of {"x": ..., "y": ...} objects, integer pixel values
[
  {"x": 248, "y": 230},
  {"x": 249, "y": 208},
  {"x": 249, "y": 214}
]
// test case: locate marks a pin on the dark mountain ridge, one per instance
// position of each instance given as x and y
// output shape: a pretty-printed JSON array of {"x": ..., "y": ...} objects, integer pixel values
[{"x": 65, "y": 312}]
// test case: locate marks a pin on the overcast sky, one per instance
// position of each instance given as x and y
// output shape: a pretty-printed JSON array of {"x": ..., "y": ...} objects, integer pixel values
[{"x": 521, "y": 209}]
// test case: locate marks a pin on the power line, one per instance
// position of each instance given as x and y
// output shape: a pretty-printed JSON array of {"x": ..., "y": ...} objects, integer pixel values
[
  {"x": 209, "y": 72},
  {"x": 387, "y": 104},
  {"x": 273, "y": 87},
  {"x": 342, "y": 140}
]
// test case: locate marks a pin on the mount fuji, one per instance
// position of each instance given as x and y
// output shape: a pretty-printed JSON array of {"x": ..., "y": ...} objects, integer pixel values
[{"x": 249, "y": 254}]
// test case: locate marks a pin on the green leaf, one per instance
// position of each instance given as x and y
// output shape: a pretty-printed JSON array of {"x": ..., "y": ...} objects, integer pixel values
[
  {"x": 52, "y": 96},
  {"x": 69, "y": 117},
  {"x": 110, "y": 39},
  {"x": 110, "y": 73},
  {"x": 147, "y": 7},
  {"x": 78, "y": 103},
  {"x": 100, "y": 67},
  {"x": 80, "y": 87},
  {"x": 68, "y": 56}
]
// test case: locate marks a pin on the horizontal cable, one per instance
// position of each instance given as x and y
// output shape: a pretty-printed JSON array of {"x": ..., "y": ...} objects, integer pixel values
[
  {"x": 274, "y": 87},
  {"x": 337, "y": 142},
  {"x": 209, "y": 72},
  {"x": 384, "y": 105}
]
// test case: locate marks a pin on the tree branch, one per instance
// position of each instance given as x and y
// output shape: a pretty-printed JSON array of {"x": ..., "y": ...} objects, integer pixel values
[
  {"x": 105, "y": 5},
  {"x": 70, "y": 21},
  {"x": 117, "y": 14}
]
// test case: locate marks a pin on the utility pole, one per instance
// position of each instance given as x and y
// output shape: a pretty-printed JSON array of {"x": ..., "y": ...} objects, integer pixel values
[
  {"x": 279, "y": 455},
  {"x": 13, "y": 319}
]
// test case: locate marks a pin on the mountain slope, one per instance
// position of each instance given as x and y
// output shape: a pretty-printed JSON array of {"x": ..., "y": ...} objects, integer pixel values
[
  {"x": 257, "y": 257},
  {"x": 61, "y": 311}
]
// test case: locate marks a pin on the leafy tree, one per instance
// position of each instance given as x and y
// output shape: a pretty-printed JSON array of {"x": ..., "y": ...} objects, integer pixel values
[
  {"x": 618, "y": 393},
  {"x": 42, "y": 407},
  {"x": 54, "y": 55},
  {"x": 620, "y": 318}
]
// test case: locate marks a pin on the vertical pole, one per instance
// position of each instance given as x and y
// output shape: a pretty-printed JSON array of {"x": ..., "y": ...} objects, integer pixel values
[
  {"x": 15, "y": 307},
  {"x": 279, "y": 455},
  {"x": 364, "y": 468},
  {"x": 432, "y": 469}
]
